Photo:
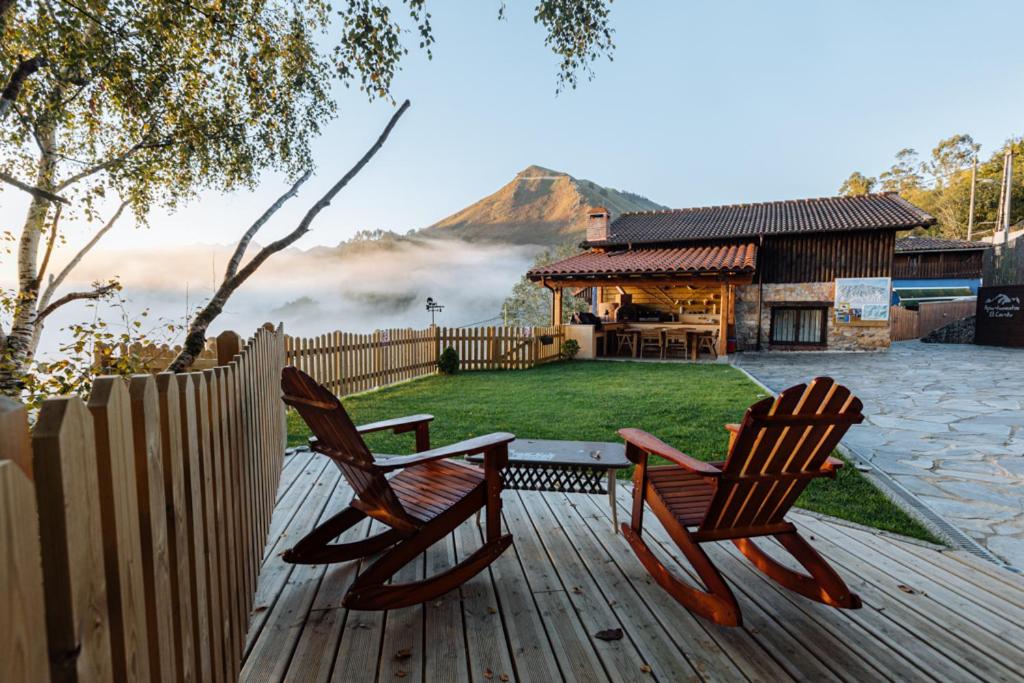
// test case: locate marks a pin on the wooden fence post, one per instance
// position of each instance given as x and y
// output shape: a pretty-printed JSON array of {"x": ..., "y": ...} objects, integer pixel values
[
  {"x": 229, "y": 345},
  {"x": 178, "y": 549},
  {"x": 152, "y": 514},
  {"x": 23, "y": 625},
  {"x": 194, "y": 521},
  {"x": 78, "y": 619},
  {"x": 122, "y": 551}
]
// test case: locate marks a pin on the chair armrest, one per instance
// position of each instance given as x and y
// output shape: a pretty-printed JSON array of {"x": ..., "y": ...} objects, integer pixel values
[
  {"x": 831, "y": 465},
  {"x": 732, "y": 427},
  {"x": 480, "y": 444},
  {"x": 655, "y": 446},
  {"x": 397, "y": 425}
]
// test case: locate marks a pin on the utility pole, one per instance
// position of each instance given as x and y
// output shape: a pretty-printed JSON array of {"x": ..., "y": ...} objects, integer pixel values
[
  {"x": 1002, "y": 202},
  {"x": 970, "y": 211},
  {"x": 1007, "y": 193}
]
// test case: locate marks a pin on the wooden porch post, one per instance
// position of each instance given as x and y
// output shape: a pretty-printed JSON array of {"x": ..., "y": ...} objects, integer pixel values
[
  {"x": 556, "y": 306},
  {"x": 723, "y": 324}
]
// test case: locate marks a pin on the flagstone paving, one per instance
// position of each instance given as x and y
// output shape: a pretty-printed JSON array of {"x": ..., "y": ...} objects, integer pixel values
[{"x": 943, "y": 420}]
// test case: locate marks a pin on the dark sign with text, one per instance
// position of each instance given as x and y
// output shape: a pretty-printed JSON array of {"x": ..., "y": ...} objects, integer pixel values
[{"x": 1000, "y": 319}]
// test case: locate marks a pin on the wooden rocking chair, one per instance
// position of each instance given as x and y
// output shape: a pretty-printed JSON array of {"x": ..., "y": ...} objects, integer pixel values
[
  {"x": 779, "y": 447},
  {"x": 428, "y": 498}
]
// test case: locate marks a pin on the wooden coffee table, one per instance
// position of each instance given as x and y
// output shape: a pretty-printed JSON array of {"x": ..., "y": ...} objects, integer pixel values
[{"x": 565, "y": 466}]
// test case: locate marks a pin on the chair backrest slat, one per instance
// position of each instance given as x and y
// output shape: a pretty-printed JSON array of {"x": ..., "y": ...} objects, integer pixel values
[
  {"x": 336, "y": 433},
  {"x": 778, "y": 438}
]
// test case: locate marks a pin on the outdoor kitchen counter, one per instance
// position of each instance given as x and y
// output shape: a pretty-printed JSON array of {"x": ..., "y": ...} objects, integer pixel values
[{"x": 592, "y": 341}]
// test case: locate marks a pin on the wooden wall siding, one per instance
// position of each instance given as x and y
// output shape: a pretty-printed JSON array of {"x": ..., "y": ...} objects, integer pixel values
[
  {"x": 823, "y": 258},
  {"x": 1004, "y": 264},
  {"x": 966, "y": 264},
  {"x": 152, "y": 502},
  {"x": 348, "y": 363},
  {"x": 698, "y": 300}
]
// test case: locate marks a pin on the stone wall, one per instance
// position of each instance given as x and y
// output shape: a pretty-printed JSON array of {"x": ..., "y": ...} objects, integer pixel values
[
  {"x": 839, "y": 337},
  {"x": 957, "y": 332}
]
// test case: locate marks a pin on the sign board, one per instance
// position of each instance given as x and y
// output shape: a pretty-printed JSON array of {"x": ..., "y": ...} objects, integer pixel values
[
  {"x": 861, "y": 300},
  {"x": 1000, "y": 316}
]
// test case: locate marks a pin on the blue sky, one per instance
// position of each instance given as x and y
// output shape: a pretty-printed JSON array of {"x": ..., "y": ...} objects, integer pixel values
[{"x": 704, "y": 103}]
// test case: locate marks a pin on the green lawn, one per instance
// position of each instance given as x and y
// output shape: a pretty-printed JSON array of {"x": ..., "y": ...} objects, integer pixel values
[{"x": 684, "y": 405}]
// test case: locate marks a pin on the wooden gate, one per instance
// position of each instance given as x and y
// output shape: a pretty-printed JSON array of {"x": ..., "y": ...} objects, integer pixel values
[{"x": 902, "y": 323}]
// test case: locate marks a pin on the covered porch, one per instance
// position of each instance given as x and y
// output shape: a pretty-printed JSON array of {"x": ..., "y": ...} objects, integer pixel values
[
  {"x": 658, "y": 300},
  {"x": 569, "y": 601}
]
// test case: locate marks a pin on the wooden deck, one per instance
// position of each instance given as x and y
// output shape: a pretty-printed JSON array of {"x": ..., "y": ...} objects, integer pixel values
[{"x": 533, "y": 616}]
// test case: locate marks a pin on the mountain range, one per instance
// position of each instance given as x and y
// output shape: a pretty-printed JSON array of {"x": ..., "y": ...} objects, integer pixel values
[{"x": 539, "y": 206}]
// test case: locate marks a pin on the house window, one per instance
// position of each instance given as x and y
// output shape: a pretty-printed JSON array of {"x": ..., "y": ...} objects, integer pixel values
[{"x": 798, "y": 326}]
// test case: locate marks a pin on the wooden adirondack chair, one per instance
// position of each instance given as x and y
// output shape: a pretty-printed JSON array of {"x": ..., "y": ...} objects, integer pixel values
[
  {"x": 424, "y": 502},
  {"x": 774, "y": 453}
]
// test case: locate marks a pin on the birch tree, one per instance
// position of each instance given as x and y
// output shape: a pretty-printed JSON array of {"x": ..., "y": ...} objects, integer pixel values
[{"x": 114, "y": 107}]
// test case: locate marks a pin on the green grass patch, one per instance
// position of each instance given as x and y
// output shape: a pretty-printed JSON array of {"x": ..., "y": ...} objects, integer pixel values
[{"x": 684, "y": 405}]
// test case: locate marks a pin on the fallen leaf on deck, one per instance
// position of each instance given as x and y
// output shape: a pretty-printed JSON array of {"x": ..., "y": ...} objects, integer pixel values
[
  {"x": 503, "y": 677},
  {"x": 262, "y": 608},
  {"x": 403, "y": 654},
  {"x": 491, "y": 610},
  {"x": 906, "y": 589},
  {"x": 610, "y": 634},
  {"x": 645, "y": 669},
  {"x": 400, "y": 674},
  {"x": 577, "y": 590},
  {"x": 488, "y": 674}
]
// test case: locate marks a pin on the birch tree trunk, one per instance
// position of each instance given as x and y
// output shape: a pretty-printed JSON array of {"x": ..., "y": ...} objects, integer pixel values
[{"x": 17, "y": 348}]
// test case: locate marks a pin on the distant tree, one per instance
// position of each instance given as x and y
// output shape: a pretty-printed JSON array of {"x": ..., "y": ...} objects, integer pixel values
[
  {"x": 530, "y": 304},
  {"x": 904, "y": 175},
  {"x": 121, "y": 105},
  {"x": 942, "y": 185},
  {"x": 951, "y": 156},
  {"x": 857, "y": 184}
]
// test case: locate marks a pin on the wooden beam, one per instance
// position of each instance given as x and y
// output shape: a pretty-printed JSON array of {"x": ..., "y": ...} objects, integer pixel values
[
  {"x": 556, "y": 306},
  {"x": 723, "y": 323}
]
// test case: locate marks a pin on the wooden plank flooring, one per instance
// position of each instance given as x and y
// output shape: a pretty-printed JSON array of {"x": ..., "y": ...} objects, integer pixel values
[{"x": 928, "y": 614}]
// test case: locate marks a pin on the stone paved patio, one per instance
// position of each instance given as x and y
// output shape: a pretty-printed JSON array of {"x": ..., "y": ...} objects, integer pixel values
[{"x": 945, "y": 421}]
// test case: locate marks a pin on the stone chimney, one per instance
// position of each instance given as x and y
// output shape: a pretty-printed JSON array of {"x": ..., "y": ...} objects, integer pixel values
[{"x": 598, "y": 220}]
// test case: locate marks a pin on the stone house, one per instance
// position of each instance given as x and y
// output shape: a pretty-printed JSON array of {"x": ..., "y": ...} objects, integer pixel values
[{"x": 752, "y": 276}]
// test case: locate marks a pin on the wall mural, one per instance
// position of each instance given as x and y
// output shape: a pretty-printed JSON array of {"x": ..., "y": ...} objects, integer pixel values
[{"x": 862, "y": 299}]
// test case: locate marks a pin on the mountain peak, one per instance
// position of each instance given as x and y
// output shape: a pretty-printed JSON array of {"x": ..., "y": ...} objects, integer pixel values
[
  {"x": 539, "y": 171},
  {"x": 538, "y": 206}
]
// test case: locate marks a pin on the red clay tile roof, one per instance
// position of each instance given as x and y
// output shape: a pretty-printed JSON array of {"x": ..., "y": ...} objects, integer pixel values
[
  {"x": 828, "y": 214},
  {"x": 912, "y": 244},
  {"x": 737, "y": 258}
]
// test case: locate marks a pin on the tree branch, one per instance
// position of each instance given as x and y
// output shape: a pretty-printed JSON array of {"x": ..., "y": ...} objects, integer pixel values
[
  {"x": 25, "y": 68},
  {"x": 98, "y": 293},
  {"x": 49, "y": 245},
  {"x": 31, "y": 189},
  {"x": 243, "y": 243},
  {"x": 196, "y": 337},
  {"x": 55, "y": 282}
]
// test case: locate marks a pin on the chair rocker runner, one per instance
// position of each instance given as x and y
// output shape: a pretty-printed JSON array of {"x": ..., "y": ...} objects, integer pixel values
[
  {"x": 781, "y": 445},
  {"x": 428, "y": 498}
]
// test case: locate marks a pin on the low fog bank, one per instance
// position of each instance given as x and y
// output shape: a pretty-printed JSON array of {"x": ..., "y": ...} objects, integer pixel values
[{"x": 311, "y": 292}]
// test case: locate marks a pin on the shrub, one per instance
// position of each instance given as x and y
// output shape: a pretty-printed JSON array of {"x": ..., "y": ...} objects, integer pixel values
[
  {"x": 448, "y": 361},
  {"x": 570, "y": 347}
]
